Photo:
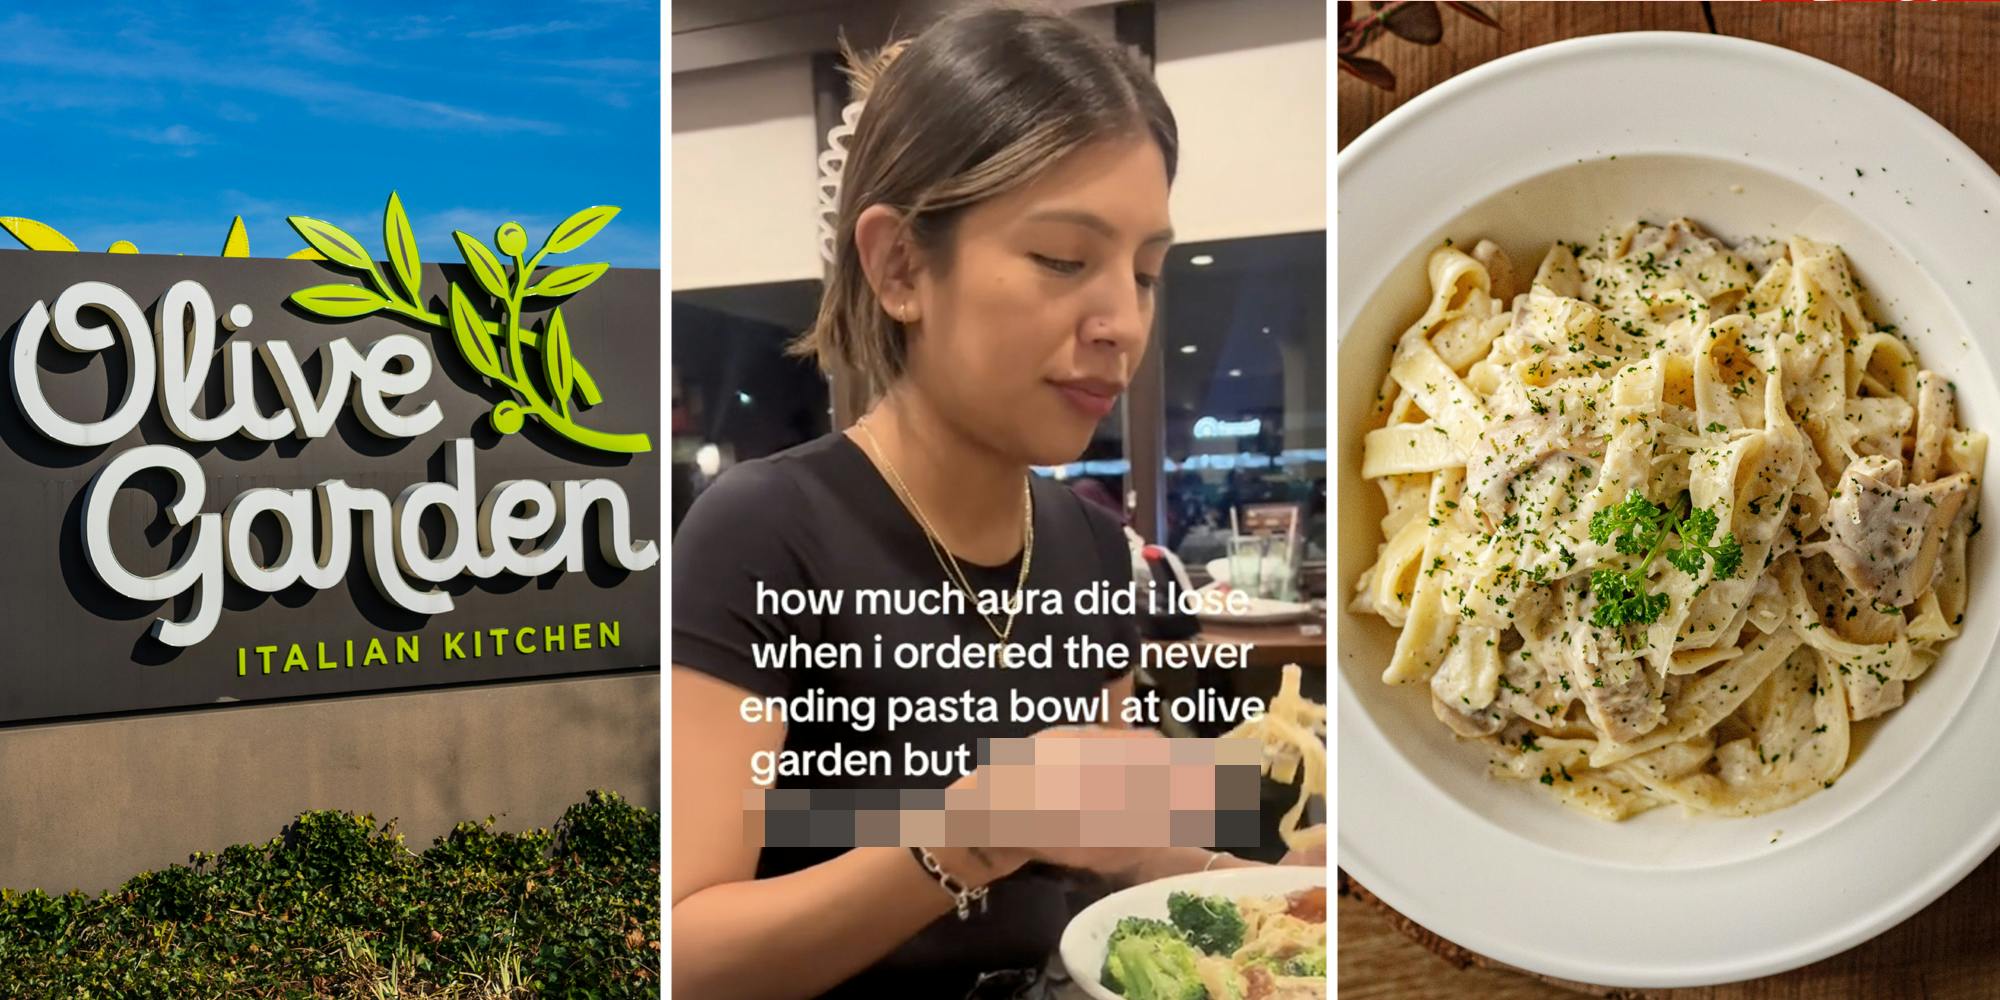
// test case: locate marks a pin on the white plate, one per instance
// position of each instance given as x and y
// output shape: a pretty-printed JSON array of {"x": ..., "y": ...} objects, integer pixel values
[
  {"x": 1083, "y": 941},
  {"x": 1557, "y": 143},
  {"x": 1218, "y": 569},
  {"x": 1260, "y": 611}
]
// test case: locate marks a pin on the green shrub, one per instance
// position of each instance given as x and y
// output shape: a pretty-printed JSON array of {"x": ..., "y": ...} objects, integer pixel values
[{"x": 335, "y": 906}]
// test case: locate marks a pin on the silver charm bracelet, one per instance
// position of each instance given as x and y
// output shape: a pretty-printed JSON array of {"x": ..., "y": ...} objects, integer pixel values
[{"x": 962, "y": 897}]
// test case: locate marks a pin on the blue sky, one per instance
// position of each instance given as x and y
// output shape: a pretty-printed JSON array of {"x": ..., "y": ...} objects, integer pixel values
[{"x": 159, "y": 122}]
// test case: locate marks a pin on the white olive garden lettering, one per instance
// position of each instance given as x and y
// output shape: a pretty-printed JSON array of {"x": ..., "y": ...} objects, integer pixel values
[{"x": 169, "y": 360}]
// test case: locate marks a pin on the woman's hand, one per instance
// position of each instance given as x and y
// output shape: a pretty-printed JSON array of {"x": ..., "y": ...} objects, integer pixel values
[
  {"x": 992, "y": 863},
  {"x": 1313, "y": 856},
  {"x": 1120, "y": 864}
]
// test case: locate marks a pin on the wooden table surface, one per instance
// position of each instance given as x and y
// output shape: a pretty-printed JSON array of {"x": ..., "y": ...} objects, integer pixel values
[
  {"x": 1303, "y": 643},
  {"x": 1937, "y": 57}
]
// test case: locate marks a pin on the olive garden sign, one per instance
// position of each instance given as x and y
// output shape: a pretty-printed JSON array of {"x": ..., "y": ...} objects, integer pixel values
[{"x": 200, "y": 449}]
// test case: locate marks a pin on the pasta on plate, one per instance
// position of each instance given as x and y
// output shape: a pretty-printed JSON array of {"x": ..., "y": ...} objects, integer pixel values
[
  {"x": 1665, "y": 523},
  {"x": 1259, "y": 947},
  {"x": 1292, "y": 731}
]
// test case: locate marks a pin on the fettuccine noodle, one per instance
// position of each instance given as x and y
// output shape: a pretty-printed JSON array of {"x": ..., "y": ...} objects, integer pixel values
[
  {"x": 1293, "y": 733},
  {"x": 1747, "y": 382}
]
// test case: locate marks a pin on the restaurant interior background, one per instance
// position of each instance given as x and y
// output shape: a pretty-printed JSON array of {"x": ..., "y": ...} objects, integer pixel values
[{"x": 1230, "y": 405}]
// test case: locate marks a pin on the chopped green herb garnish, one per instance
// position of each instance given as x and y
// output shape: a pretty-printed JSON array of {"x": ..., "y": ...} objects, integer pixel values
[
  {"x": 1696, "y": 545},
  {"x": 1633, "y": 526},
  {"x": 1637, "y": 526},
  {"x": 1622, "y": 601}
]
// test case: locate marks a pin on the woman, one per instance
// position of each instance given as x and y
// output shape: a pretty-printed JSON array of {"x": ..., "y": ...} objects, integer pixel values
[{"x": 1002, "y": 223}]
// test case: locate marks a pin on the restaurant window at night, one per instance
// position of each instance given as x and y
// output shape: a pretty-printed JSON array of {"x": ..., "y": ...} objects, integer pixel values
[
  {"x": 736, "y": 394},
  {"x": 1242, "y": 334}
]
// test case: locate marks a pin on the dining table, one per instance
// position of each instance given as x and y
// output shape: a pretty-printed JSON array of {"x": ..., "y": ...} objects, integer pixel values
[{"x": 1270, "y": 646}]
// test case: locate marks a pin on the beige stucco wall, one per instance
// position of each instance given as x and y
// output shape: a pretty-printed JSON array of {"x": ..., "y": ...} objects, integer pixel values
[{"x": 86, "y": 805}]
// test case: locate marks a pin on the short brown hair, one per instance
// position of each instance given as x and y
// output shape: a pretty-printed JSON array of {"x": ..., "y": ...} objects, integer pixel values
[{"x": 975, "y": 106}]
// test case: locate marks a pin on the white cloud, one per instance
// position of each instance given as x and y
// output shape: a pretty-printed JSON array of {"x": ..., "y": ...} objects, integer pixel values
[
  {"x": 31, "y": 44},
  {"x": 610, "y": 66},
  {"x": 172, "y": 135},
  {"x": 180, "y": 139},
  {"x": 313, "y": 43},
  {"x": 524, "y": 30}
]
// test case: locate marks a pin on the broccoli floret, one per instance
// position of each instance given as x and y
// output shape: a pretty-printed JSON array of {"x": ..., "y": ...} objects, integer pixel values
[
  {"x": 1144, "y": 927},
  {"x": 1259, "y": 960},
  {"x": 1150, "y": 960},
  {"x": 1211, "y": 923},
  {"x": 1307, "y": 963}
]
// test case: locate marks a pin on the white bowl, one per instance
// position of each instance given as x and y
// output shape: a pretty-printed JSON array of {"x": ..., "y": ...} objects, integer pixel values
[
  {"x": 1559, "y": 142},
  {"x": 1256, "y": 610},
  {"x": 1267, "y": 566},
  {"x": 1084, "y": 940}
]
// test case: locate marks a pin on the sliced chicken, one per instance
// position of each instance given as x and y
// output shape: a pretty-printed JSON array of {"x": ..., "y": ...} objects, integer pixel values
[
  {"x": 1885, "y": 536},
  {"x": 1617, "y": 694},
  {"x": 1463, "y": 687},
  {"x": 1466, "y": 721},
  {"x": 1510, "y": 448},
  {"x": 1857, "y": 638},
  {"x": 1871, "y": 693},
  {"x": 1499, "y": 268},
  {"x": 1259, "y": 984}
]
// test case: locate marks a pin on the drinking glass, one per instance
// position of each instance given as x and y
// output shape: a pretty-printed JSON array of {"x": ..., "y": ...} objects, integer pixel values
[{"x": 1246, "y": 563}]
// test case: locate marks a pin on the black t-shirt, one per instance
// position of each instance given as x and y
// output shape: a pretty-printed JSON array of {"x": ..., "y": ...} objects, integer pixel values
[{"x": 821, "y": 517}]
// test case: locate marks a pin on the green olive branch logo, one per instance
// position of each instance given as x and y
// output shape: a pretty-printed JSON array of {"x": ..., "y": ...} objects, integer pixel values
[
  {"x": 496, "y": 349},
  {"x": 42, "y": 236}
]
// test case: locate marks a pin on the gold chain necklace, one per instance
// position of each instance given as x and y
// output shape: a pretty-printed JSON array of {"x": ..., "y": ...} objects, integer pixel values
[{"x": 944, "y": 556}]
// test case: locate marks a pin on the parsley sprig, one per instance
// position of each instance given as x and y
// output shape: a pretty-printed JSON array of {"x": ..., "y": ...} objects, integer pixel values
[
  {"x": 1638, "y": 526},
  {"x": 1696, "y": 533}
]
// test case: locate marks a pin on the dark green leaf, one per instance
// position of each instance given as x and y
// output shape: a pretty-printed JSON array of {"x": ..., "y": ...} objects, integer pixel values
[
  {"x": 1622, "y": 600},
  {"x": 338, "y": 905},
  {"x": 1699, "y": 544},
  {"x": 1417, "y": 22},
  {"x": 1728, "y": 557},
  {"x": 1473, "y": 12},
  {"x": 1369, "y": 71},
  {"x": 484, "y": 265},
  {"x": 1634, "y": 525},
  {"x": 1700, "y": 524},
  {"x": 1688, "y": 561}
]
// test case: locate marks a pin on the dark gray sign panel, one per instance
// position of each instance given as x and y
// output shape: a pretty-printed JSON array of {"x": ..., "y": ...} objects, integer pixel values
[{"x": 76, "y": 645}]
